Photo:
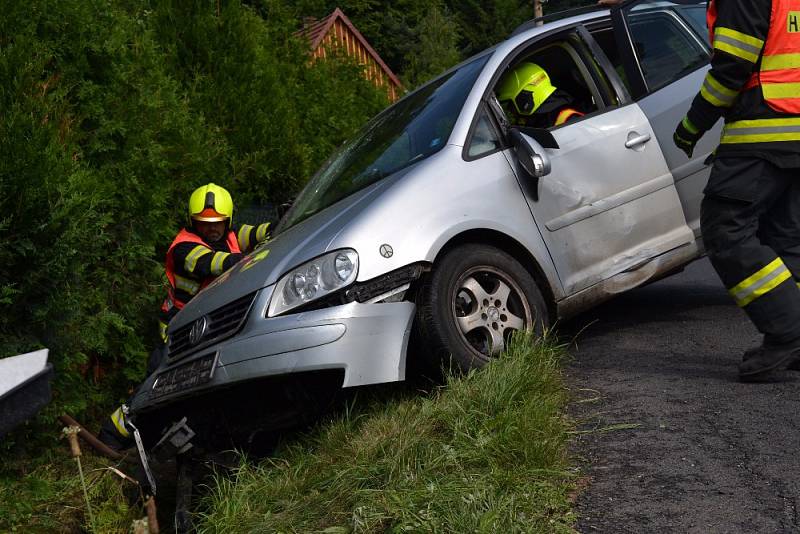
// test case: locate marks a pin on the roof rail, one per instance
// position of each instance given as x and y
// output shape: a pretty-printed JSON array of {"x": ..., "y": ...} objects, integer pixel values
[{"x": 556, "y": 16}]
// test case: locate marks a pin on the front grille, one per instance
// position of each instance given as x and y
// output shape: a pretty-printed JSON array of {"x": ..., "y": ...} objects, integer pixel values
[{"x": 222, "y": 323}]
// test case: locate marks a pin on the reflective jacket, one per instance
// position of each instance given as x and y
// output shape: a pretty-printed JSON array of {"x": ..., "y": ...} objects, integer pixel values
[
  {"x": 554, "y": 111},
  {"x": 754, "y": 50},
  {"x": 566, "y": 114},
  {"x": 184, "y": 286},
  {"x": 192, "y": 263}
]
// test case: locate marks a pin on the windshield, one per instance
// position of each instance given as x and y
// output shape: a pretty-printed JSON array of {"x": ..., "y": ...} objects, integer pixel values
[{"x": 407, "y": 132}]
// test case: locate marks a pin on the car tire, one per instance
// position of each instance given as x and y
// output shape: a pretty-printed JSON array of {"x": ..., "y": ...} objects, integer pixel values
[{"x": 474, "y": 298}]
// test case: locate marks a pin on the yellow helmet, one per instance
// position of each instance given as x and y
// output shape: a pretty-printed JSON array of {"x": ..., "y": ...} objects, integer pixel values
[
  {"x": 211, "y": 203},
  {"x": 525, "y": 88}
]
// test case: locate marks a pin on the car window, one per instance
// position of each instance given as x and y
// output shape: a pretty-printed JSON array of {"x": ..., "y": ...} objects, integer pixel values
[
  {"x": 409, "y": 131},
  {"x": 484, "y": 137},
  {"x": 695, "y": 15},
  {"x": 665, "y": 47},
  {"x": 572, "y": 86}
]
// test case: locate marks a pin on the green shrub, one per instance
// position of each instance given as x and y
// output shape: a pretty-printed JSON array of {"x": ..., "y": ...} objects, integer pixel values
[{"x": 112, "y": 112}]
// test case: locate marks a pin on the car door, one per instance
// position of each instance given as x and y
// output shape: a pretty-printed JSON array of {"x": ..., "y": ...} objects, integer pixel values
[
  {"x": 609, "y": 204},
  {"x": 665, "y": 53}
]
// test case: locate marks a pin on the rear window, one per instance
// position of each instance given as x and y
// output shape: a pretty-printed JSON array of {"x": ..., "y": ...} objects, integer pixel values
[{"x": 665, "y": 47}]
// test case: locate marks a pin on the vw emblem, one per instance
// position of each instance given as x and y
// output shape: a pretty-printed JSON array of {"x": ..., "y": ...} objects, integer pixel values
[
  {"x": 199, "y": 330},
  {"x": 386, "y": 251}
]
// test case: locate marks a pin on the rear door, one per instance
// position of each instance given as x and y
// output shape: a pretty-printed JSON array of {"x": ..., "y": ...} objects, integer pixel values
[{"x": 663, "y": 50}]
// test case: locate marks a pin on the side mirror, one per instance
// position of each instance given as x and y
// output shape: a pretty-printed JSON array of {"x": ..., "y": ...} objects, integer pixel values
[{"x": 530, "y": 154}]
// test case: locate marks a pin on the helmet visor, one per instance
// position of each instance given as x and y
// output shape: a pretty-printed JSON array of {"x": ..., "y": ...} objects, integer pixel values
[{"x": 209, "y": 215}]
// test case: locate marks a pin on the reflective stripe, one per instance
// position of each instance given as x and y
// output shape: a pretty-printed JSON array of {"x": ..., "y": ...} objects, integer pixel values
[
  {"x": 691, "y": 128},
  {"x": 244, "y": 236},
  {"x": 191, "y": 259},
  {"x": 716, "y": 93},
  {"x": 162, "y": 330},
  {"x": 118, "y": 418},
  {"x": 738, "y": 44},
  {"x": 761, "y": 131},
  {"x": 780, "y": 62},
  {"x": 765, "y": 280},
  {"x": 261, "y": 232},
  {"x": 217, "y": 261},
  {"x": 187, "y": 285},
  {"x": 781, "y": 90}
]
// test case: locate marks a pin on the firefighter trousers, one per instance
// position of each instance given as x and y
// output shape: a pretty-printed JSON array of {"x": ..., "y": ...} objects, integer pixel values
[{"x": 750, "y": 220}]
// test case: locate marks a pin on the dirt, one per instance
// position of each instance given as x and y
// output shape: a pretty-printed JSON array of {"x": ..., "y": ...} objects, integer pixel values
[{"x": 668, "y": 438}]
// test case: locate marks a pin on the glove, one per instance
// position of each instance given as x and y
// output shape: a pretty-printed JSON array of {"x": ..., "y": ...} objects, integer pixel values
[{"x": 686, "y": 136}]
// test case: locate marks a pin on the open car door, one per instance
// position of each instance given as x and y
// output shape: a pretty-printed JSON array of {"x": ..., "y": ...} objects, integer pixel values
[{"x": 609, "y": 204}]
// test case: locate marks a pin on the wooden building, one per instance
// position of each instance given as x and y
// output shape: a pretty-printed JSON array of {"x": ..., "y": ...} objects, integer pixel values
[{"x": 337, "y": 32}]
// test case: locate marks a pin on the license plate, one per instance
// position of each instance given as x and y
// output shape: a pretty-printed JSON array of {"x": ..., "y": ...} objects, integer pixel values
[{"x": 186, "y": 376}]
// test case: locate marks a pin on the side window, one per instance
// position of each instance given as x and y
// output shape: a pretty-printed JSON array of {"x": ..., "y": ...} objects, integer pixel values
[
  {"x": 665, "y": 46},
  {"x": 695, "y": 15},
  {"x": 548, "y": 86},
  {"x": 484, "y": 137}
]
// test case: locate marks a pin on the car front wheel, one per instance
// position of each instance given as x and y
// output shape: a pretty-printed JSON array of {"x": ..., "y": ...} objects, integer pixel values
[{"x": 475, "y": 298}]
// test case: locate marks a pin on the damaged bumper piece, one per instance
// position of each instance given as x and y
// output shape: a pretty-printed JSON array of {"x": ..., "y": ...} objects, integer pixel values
[{"x": 268, "y": 373}]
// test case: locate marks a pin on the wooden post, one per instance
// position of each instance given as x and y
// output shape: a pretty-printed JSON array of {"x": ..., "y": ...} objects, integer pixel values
[{"x": 537, "y": 9}]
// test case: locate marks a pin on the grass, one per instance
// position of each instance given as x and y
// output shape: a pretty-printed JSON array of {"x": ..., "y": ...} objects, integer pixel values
[
  {"x": 49, "y": 497},
  {"x": 487, "y": 453}
]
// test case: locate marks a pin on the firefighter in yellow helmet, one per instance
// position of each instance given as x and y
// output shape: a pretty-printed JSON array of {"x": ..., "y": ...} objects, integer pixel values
[
  {"x": 208, "y": 246},
  {"x": 530, "y": 98}
]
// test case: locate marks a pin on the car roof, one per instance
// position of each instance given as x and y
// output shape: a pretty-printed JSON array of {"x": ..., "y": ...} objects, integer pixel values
[{"x": 568, "y": 16}]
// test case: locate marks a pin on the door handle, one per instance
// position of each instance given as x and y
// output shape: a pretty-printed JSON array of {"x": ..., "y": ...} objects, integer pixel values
[{"x": 635, "y": 140}]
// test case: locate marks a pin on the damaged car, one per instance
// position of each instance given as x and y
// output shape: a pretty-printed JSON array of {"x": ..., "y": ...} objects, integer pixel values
[{"x": 442, "y": 228}]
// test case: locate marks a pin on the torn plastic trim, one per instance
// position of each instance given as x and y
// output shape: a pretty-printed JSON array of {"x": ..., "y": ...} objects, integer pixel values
[{"x": 386, "y": 286}]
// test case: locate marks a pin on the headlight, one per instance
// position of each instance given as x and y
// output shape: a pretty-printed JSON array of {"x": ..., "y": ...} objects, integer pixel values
[{"x": 313, "y": 280}]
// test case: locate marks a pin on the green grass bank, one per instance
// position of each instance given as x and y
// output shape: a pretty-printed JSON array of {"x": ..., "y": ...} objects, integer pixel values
[{"x": 485, "y": 453}]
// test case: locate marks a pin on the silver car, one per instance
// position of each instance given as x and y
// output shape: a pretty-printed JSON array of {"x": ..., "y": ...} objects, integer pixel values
[{"x": 443, "y": 228}]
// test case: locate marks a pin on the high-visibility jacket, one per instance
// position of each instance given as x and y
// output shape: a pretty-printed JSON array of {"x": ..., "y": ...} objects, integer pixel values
[
  {"x": 566, "y": 114},
  {"x": 192, "y": 263},
  {"x": 182, "y": 288},
  {"x": 779, "y": 72},
  {"x": 555, "y": 111},
  {"x": 753, "y": 81}
]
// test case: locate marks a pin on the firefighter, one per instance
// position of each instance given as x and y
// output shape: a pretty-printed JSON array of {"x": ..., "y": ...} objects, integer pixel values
[
  {"x": 532, "y": 100},
  {"x": 750, "y": 215},
  {"x": 203, "y": 250}
]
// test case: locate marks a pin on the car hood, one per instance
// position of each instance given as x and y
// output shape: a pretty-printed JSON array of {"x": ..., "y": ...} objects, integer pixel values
[{"x": 265, "y": 265}]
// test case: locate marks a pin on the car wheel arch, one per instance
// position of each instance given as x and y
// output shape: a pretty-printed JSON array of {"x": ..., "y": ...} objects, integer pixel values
[{"x": 511, "y": 246}]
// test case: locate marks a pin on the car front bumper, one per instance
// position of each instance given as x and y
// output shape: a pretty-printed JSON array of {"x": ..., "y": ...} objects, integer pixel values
[{"x": 367, "y": 341}]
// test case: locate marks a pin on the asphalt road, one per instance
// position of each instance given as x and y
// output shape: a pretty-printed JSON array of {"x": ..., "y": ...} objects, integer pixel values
[{"x": 669, "y": 440}]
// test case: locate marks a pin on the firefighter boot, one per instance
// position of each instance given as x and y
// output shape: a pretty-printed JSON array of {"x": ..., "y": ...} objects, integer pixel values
[
  {"x": 114, "y": 433},
  {"x": 752, "y": 351},
  {"x": 759, "y": 364}
]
